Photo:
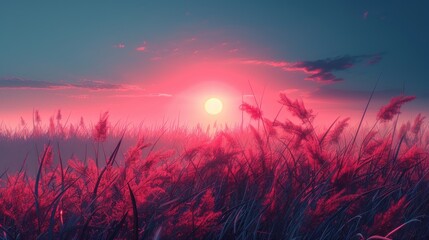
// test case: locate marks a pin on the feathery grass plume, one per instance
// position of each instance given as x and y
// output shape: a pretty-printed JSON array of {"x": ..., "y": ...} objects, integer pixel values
[
  {"x": 334, "y": 135},
  {"x": 418, "y": 121},
  {"x": 81, "y": 123},
  {"x": 254, "y": 112},
  {"x": 327, "y": 205},
  {"x": 270, "y": 126},
  {"x": 51, "y": 129},
  {"x": 199, "y": 219},
  {"x": 37, "y": 117},
  {"x": 301, "y": 133},
  {"x": 60, "y": 128},
  {"x": 405, "y": 127},
  {"x": 412, "y": 156},
  {"x": 48, "y": 155},
  {"x": 297, "y": 108},
  {"x": 77, "y": 166},
  {"x": 381, "y": 151},
  {"x": 344, "y": 177},
  {"x": 316, "y": 154},
  {"x": 386, "y": 221},
  {"x": 388, "y": 111},
  {"x": 256, "y": 135},
  {"x": 37, "y": 120},
  {"x": 369, "y": 137},
  {"x": 134, "y": 153},
  {"x": 72, "y": 131},
  {"x": 23, "y": 122},
  {"x": 100, "y": 130},
  {"x": 59, "y": 116}
]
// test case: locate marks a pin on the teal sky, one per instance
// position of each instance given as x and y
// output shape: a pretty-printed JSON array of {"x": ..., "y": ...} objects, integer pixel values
[{"x": 56, "y": 55}]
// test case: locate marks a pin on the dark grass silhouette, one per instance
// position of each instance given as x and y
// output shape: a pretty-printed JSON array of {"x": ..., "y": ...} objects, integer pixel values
[{"x": 284, "y": 181}]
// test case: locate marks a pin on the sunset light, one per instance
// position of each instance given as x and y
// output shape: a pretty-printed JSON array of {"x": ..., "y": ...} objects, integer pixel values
[
  {"x": 214, "y": 120},
  {"x": 213, "y": 106}
]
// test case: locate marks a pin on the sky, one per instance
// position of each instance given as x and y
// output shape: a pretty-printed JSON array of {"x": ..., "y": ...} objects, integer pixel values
[{"x": 157, "y": 61}]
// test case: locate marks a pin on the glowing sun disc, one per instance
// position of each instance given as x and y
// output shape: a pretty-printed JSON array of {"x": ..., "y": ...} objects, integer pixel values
[{"x": 213, "y": 106}]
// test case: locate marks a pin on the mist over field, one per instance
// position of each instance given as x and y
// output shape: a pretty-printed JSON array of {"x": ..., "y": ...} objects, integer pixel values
[{"x": 254, "y": 180}]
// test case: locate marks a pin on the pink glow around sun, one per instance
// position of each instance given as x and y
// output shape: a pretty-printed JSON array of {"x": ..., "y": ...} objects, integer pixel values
[{"x": 174, "y": 85}]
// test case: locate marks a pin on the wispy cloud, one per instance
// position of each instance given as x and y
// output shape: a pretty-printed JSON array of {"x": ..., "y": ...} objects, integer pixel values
[
  {"x": 19, "y": 83},
  {"x": 329, "y": 93},
  {"x": 97, "y": 85},
  {"x": 119, "y": 45},
  {"x": 26, "y": 83},
  {"x": 158, "y": 95},
  {"x": 142, "y": 48},
  {"x": 279, "y": 64},
  {"x": 201, "y": 45},
  {"x": 321, "y": 70},
  {"x": 145, "y": 95},
  {"x": 78, "y": 96}
]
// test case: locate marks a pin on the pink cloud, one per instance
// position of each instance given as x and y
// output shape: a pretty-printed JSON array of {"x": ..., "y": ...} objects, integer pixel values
[
  {"x": 280, "y": 64},
  {"x": 79, "y": 96},
  {"x": 203, "y": 45},
  {"x": 142, "y": 48},
  {"x": 143, "y": 95}
]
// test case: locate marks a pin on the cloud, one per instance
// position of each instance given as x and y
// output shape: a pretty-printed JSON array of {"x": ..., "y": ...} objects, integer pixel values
[
  {"x": 322, "y": 70},
  {"x": 79, "y": 96},
  {"x": 119, "y": 45},
  {"x": 279, "y": 64},
  {"x": 18, "y": 83},
  {"x": 330, "y": 93},
  {"x": 25, "y": 83},
  {"x": 143, "y": 95},
  {"x": 142, "y": 47},
  {"x": 159, "y": 95},
  {"x": 97, "y": 85}
]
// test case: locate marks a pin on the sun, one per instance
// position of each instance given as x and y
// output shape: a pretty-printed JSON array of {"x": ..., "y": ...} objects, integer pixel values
[{"x": 213, "y": 106}]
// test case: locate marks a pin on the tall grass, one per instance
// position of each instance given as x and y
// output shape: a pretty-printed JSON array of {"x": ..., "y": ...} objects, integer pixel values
[{"x": 285, "y": 181}]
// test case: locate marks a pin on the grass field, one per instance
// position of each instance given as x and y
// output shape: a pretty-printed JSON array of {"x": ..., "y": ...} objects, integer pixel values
[{"x": 273, "y": 179}]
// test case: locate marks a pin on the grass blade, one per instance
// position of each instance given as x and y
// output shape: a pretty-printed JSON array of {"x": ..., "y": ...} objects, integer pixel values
[
  {"x": 135, "y": 214},
  {"x": 401, "y": 226},
  {"x": 36, "y": 187},
  {"x": 365, "y": 111}
]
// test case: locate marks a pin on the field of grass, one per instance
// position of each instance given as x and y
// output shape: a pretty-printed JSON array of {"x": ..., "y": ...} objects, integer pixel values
[{"x": 274, "y": 179}]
